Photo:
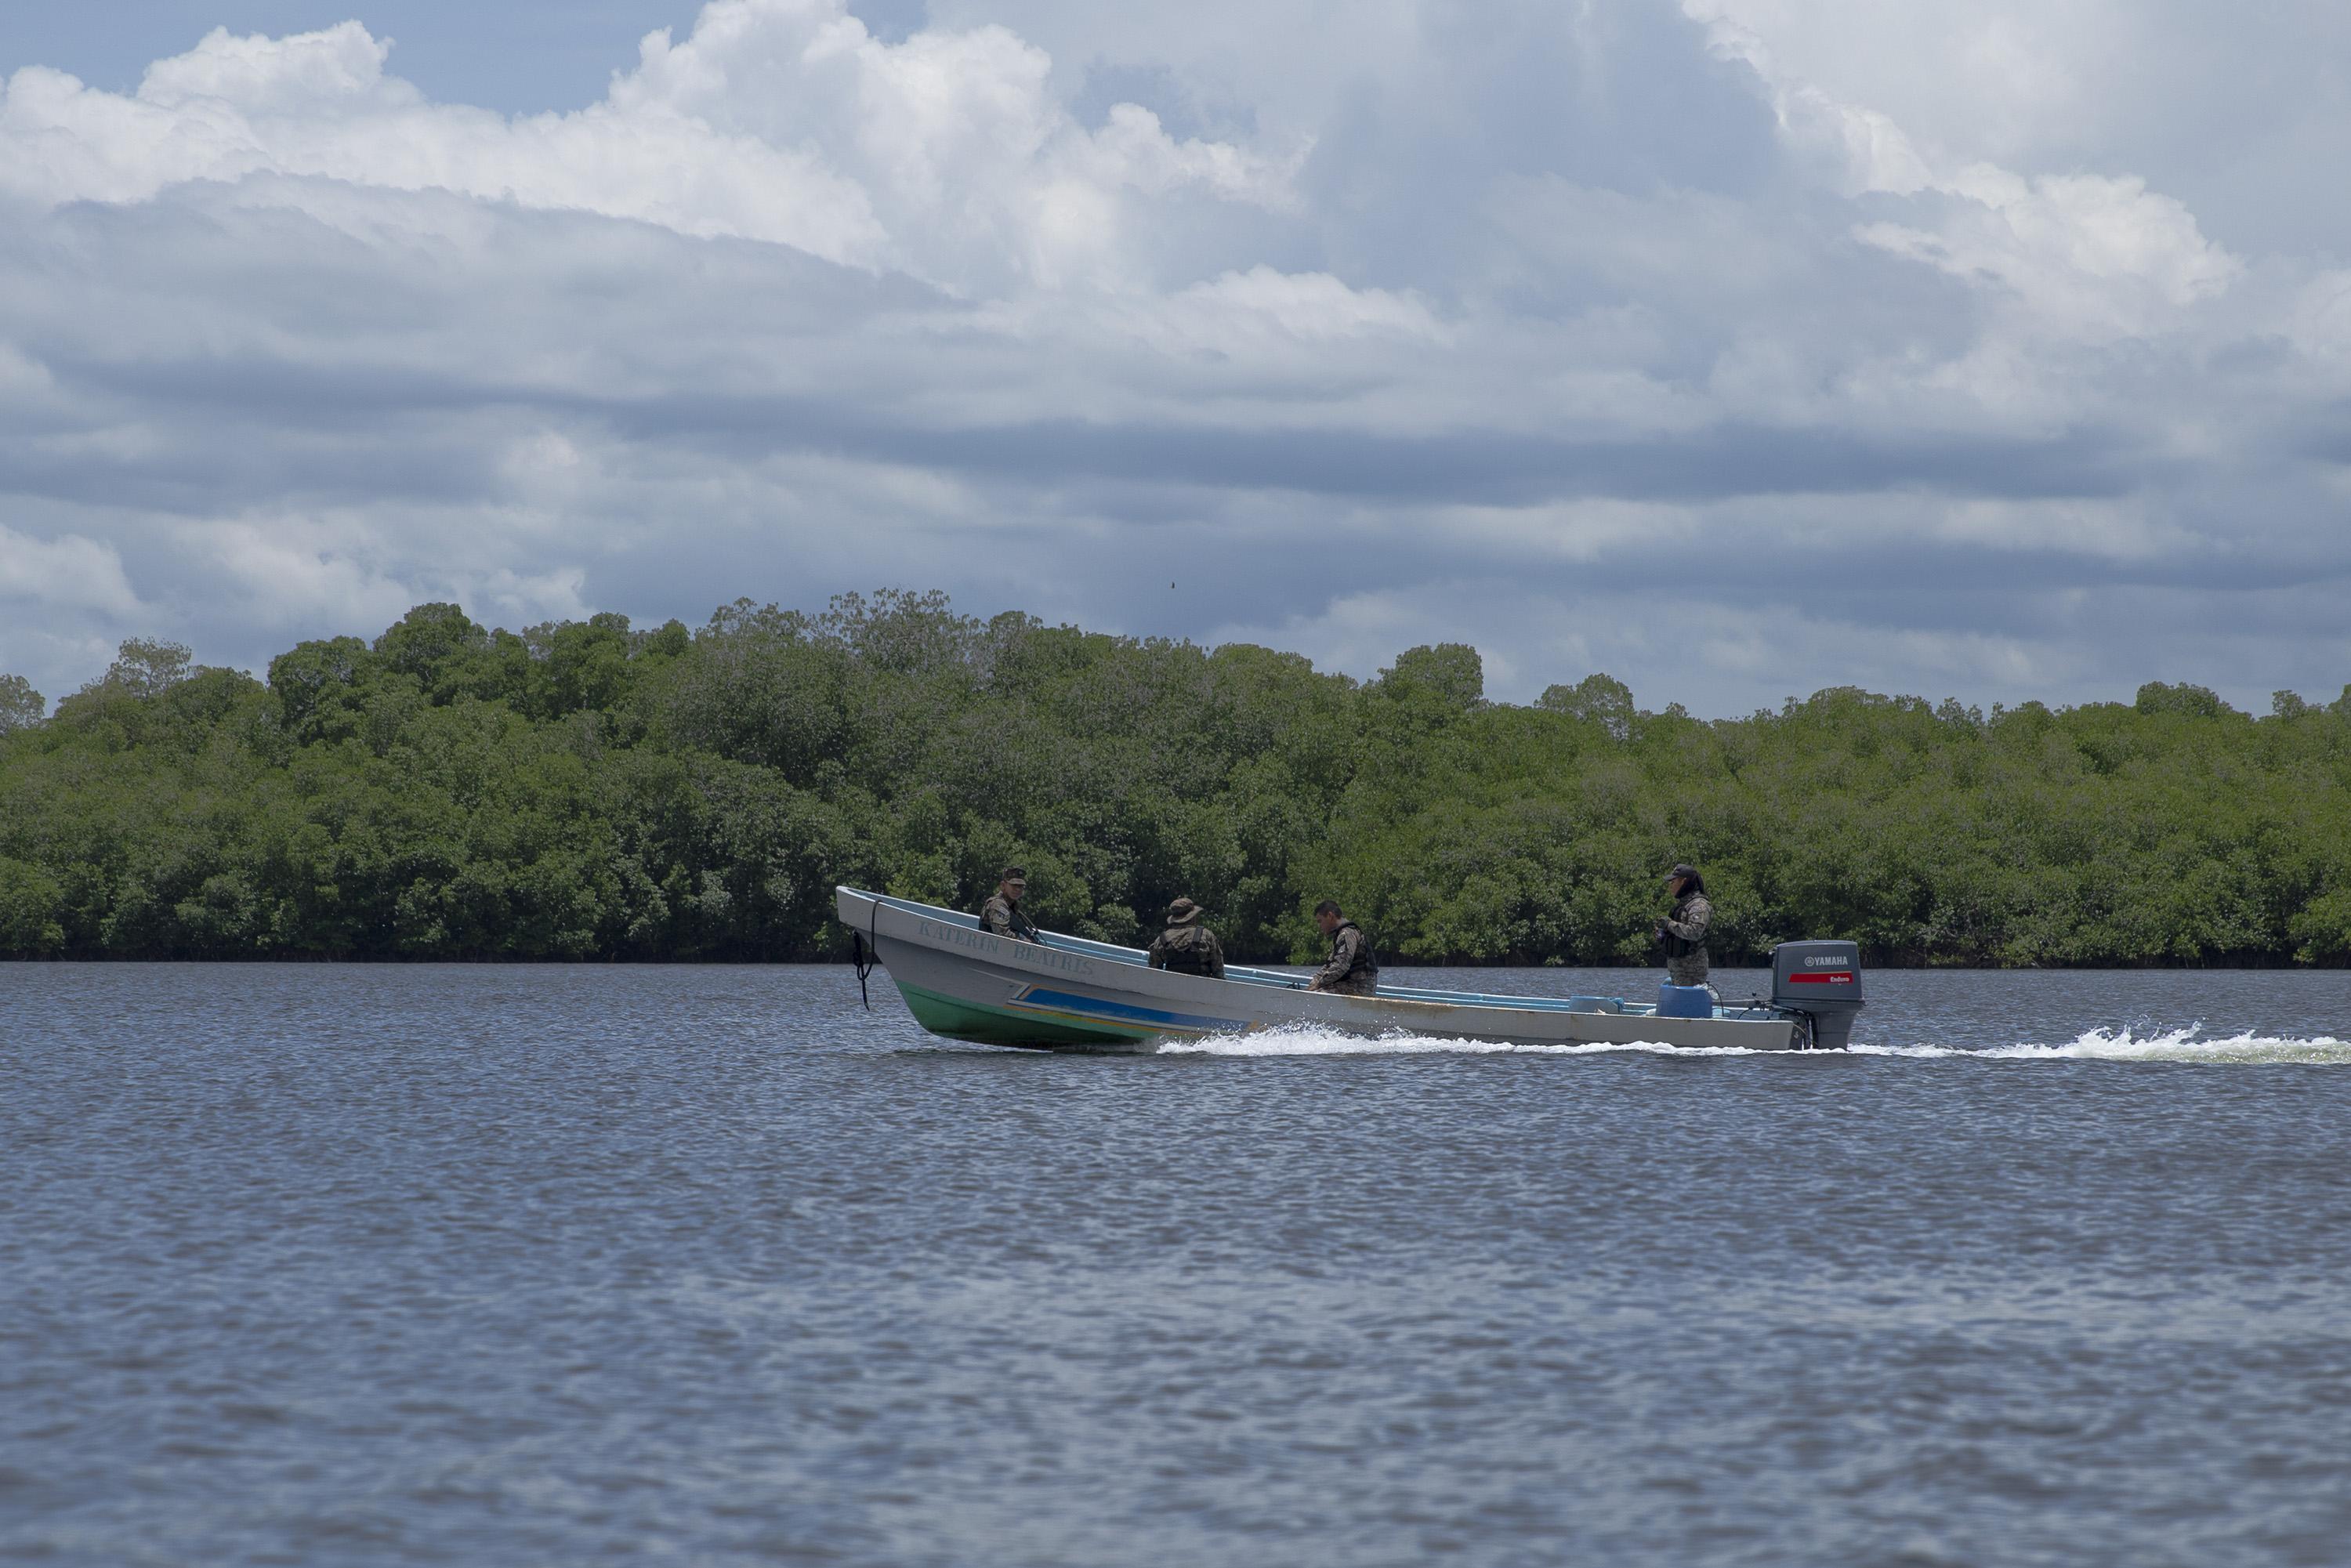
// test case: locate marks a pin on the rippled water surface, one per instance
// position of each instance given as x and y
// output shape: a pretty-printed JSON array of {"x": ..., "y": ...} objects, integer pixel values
[{"x": 515, "y": 1266}]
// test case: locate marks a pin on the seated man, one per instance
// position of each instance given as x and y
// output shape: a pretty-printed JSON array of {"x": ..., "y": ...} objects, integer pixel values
[
  {"x": 1001, "y": 914},
  {"x": 1351, "y": 971},
  {"x": 1682, "y": 933},
  {"x": 1187, "y": 946}
]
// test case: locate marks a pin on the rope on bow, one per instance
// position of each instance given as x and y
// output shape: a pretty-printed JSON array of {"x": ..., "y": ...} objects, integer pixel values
[{"x": 864, "y": 953}]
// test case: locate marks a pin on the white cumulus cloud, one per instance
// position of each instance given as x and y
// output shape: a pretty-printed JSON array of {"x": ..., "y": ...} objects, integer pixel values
[
  {"x": 782, "y": 120},
  {"x": 2090, "y": 255},
  {"x": 70, "y": 573},
  {"x": 1738, "y": 348}
]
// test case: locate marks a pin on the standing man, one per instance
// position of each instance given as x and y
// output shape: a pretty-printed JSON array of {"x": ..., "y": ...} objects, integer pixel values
[
  {"x": 1351, "y": 971},
  {"x": 1682, "y": 933},
  {"x": 1001, "y": 914},
  {"x": 1187, "y": 946}
]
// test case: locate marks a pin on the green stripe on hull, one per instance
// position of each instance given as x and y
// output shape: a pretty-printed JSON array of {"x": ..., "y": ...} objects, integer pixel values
[{"x": 959, "y": 1020}]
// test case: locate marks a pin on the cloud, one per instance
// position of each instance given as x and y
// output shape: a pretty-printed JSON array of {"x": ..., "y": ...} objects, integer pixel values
[
  {"x": 2090, "y": 256},
  {"x": 1717, "y": 346},
  {"x": 70, "y": 572},
  {"x": 782, "y": 120}
]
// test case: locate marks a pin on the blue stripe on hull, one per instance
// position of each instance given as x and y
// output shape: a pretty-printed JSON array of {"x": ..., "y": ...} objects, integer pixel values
[{"x": 1125, "y": 1013}]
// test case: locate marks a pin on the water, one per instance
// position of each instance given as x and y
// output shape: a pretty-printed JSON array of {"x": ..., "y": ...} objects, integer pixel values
[{"x": 514, "y": 1266}]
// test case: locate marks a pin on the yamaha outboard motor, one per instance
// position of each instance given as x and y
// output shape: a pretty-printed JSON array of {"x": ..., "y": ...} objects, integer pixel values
[{"x": 1821, "y": 980}]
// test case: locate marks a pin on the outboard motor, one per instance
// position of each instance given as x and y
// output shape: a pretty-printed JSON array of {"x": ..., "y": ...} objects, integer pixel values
[{"x": 1822, "y": 981}]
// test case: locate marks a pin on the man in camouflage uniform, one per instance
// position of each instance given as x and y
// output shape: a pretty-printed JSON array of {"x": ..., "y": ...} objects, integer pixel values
[
  {"x": 1187, "y": 946},
  {"x": 1001, "y": 914},
  {"x": 1351, "y": 970},
  {"x": 1682, "y": 933}
]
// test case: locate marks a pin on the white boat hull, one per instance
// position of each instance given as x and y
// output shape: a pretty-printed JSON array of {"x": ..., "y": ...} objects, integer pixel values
[{"x": 1066, "y": 993}]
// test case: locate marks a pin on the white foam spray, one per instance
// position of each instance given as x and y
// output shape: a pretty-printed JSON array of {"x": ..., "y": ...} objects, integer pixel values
[{"x": 2191, "y": 1044}]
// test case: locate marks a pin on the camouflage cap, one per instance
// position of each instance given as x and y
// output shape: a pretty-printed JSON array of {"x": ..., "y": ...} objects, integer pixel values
[
  {"x": 1682, "y": 869},
  {"x": 1182, "y": 912}
]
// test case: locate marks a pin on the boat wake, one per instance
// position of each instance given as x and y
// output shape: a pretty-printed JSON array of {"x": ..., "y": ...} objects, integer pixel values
[
  {"x": 2190, "y": 1045},
  {"x": 1310, "y": 1040}
]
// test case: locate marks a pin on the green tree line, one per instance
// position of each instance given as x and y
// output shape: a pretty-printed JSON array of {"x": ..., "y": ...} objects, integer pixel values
[{"x": 584, "y": 790}]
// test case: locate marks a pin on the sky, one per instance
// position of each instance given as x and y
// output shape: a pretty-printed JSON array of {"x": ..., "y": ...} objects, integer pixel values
[{"x": 1735, "y": 348}]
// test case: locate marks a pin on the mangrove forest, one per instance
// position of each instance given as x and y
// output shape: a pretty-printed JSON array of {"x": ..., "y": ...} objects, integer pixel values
[{"x": 591, "y": 790}]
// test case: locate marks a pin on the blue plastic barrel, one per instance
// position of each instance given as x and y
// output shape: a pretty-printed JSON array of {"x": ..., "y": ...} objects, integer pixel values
[{"x": 1684, "y": 1002}]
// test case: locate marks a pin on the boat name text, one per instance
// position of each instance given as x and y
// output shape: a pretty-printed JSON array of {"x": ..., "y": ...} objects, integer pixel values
[{"x": 997, "y": 947}]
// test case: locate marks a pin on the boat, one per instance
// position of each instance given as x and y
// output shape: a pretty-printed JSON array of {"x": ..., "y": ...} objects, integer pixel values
[{"x": 1067, "y": 993}]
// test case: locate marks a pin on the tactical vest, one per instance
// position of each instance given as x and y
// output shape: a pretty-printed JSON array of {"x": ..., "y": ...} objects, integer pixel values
[
  {"x": 1681, "y": 946},
  {"x": 1014, "y": 917},
  {"x": 1186, "y": 953}
]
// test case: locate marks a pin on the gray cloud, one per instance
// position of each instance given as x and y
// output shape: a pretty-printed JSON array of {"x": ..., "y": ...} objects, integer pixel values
[{"x": 1632, "y": 338}]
